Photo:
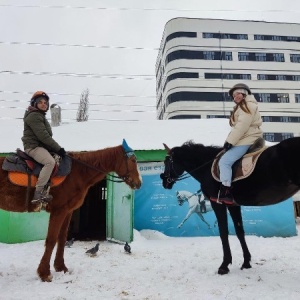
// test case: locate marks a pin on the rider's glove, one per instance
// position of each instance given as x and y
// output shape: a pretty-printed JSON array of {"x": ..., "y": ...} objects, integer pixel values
[{"x": 227, "y": 146}]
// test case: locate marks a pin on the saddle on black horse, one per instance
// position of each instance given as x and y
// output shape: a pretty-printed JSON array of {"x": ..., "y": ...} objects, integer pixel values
[
  {"x": 245, "y": 165},
  {"x": 23, "y": 170}
]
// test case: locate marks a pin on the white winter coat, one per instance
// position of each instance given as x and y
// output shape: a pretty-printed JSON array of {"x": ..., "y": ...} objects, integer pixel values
[{"x": 245, "y": 126}]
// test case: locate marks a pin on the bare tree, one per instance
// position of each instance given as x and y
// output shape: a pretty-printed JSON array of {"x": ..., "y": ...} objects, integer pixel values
[{"x": 82, "y": 113}]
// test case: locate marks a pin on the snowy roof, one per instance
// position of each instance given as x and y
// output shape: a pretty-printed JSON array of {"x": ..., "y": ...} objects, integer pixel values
[{"x": 140, "y": 135}]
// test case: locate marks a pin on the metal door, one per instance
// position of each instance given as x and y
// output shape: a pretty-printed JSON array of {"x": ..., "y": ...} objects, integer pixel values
[{"x": 119, "y": 212}]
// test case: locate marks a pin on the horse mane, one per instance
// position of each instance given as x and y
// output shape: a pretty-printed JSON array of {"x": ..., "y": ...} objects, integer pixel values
[
  {"x": 98, "y": 158},
  {"x": 195, "y": 149}
]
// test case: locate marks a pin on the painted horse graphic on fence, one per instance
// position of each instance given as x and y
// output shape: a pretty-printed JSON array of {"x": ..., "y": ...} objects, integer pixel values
[{"x": 197, "y": 204}]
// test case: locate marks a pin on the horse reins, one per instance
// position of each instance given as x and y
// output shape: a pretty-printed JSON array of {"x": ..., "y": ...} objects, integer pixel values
[
  {"x": 119, "y": 178},
  {"x": 185, "y": 176}
]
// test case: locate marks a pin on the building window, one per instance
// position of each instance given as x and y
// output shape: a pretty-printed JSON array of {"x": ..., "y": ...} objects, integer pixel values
[
  {"x": 226, "y": 97},
  {"x": 194, "y": 96},
  {"x": 217, "y": 55},
  {"x": 179, "y": 34},
  {"x": 283, "y": 98},
  {"x": 266, "y": 119},
  {"x": 260, "y": 56},
  {"x": 243, "y": 56},
  {"x": 217, "y": 117},
  {"x": 295, "y": 58},
  {"x": 281, "y": 119},
  {"x": 191, "y": 54},
  {"x": 279, "y": 57},
  {"x": 186, "y": 117},
  {"x": 261, "y": 77},
  {"x": 264, "y": 97},
  {"x": 277, "y": 137},
  {"x": 296, "y": 77},
  {"x": 297, "y": 98},
  {"x": 266, "y": 37},
  {"x": 227, "y": 55},
  {"x": 218, "y": 35},
  {"x": 209, "y": 55},
  {"x": 227, "y": 76},
  {"x": 180, "y": 75},
  {"x": 273, "y": 98},
  {"x": 278, "y": 77}
]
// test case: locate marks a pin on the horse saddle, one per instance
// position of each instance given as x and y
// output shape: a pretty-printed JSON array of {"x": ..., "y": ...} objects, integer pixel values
[
  {"x": 23, "y": 170},
  {"x": 245, "y": 165}
]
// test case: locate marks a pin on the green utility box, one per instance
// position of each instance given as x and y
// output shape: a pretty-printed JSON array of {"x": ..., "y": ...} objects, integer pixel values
[{"x": 23, "y": 227}]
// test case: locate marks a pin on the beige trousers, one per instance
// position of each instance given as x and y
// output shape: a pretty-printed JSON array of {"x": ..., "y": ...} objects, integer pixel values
[{"x": 42, "y": 156}]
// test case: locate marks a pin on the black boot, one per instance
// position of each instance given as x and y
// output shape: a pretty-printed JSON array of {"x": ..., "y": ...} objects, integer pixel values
[
  {"x": 225, "y": 195},
  {"x": 42, "y": 196}
]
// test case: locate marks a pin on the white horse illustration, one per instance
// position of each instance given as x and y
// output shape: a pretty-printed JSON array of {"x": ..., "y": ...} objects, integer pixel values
[{"x": 197, "y": 204}]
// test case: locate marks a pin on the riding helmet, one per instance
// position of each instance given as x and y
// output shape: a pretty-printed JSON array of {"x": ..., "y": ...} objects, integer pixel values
[
  {"x": 239, "y": 86},
  {"x": 37, "y": 96}
]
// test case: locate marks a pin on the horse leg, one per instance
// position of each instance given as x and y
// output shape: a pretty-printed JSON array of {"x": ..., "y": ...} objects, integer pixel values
[
  {"x": 55, "y": 222},
  {"x": 236, "y": 215},
  {"x": 186, "y": 217},
  {"x": 221, "y": 214},
  {"x": 203, "y": 220},
  {"x": 59, "y": 263}
]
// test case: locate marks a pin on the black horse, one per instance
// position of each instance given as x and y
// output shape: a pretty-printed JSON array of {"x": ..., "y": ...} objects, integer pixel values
[{"x": 275, "y": 178}]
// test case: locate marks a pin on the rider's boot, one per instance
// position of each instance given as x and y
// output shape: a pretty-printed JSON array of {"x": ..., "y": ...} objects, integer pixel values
[
  {"x": 41, "y": 195},
  {"x": 225, "y": 195}
]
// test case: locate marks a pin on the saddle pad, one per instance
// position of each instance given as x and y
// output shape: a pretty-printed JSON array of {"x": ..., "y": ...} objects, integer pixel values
[
  {"x": 15, "y": 164},
  {"x": 241, "y": 169},
  {"x": 21, "y": 179}
]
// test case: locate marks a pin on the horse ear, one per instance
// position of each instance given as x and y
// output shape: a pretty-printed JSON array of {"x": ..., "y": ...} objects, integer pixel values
[{"x": 167, "y": 148}]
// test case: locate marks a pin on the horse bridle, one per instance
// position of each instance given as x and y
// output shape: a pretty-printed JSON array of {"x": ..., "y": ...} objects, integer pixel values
[
  {"x": 169, "y": 178},
  {"x": 124, "y": 178},
  {"x": 168, "y": 168}
]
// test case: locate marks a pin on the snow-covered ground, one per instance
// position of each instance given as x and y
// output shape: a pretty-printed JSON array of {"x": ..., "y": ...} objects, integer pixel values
[{"x": 159, "y": 267}]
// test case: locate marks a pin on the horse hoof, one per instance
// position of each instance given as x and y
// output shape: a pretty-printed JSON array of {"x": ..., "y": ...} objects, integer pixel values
[
  {"x": 246, "y": 266},
  {"x": 47, "y": 278},
  {"x": 61, "y": 269},
  {"x": 223, "y": 271}
]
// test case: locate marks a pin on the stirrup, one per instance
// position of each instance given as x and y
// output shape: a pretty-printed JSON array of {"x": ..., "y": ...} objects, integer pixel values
[
  {"x": 225, "y": 199},
  {"x": 42, "y": 196}
]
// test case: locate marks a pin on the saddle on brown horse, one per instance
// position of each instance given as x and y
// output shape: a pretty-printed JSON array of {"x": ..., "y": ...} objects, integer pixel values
[
  {"x": 244, "y": 166},
  {"x": 23, "y": 170}
]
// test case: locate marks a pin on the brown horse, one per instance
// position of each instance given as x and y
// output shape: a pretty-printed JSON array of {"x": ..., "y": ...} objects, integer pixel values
[{"x": 88, "y": 168}]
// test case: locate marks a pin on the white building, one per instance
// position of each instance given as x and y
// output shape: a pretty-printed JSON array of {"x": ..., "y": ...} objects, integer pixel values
[{"x": 201, "y": 59}]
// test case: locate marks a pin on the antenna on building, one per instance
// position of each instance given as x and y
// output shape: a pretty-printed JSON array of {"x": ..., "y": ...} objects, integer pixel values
[{"x": 221, "y": 71}]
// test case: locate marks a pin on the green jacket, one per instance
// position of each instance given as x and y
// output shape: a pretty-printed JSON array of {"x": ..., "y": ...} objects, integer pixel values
[{"x": 37, "y": 131}]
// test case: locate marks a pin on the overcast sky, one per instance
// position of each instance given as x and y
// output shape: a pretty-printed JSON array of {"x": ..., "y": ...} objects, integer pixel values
[{"x": 109, "y": 47}]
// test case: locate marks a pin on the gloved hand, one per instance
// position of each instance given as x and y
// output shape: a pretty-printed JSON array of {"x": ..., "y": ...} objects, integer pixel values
[
  {"x": 61, "y": 152},
  {"x": 227, "y": 146}
]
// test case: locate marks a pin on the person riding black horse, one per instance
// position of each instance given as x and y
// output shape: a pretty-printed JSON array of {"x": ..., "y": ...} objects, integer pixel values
[{"x": 245, "y": 121}]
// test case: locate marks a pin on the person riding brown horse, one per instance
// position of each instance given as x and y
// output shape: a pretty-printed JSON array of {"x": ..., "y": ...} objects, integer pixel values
[
  {"x": 88, "y": 168},
  {"x": 38, "y": 143}
]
